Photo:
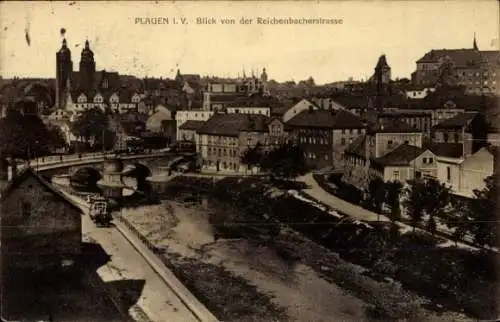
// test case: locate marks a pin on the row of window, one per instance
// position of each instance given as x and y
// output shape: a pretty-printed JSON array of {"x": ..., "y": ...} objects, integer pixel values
[
  {"x": 221, "y": 152},
  {"x": 343, "y": 141},
  {"x": 313, "y": 140},
  {"x": 353, "y": 131},
  {"x": 313, "y": 156},
  {"x": 221, "y": 165}
]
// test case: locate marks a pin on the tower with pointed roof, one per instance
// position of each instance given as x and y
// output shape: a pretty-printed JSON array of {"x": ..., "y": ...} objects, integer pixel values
[
  {"x": 474, "y": 43},
  {"x": 87, "y": 67},
  {"x": 64, "y": 68}
]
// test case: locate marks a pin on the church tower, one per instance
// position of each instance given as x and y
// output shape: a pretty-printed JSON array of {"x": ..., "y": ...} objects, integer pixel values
[
  {"x": 382, "y": 71},
  {"x": 64, "y": 68},
  {"x": 382, "y": 79},
  {"x": 87, "y": 67}
]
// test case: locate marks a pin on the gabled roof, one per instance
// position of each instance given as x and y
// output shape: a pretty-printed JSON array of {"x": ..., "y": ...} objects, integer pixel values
[
  {"x": 333, "y": 119},
  {"x": 357, "y": 147},
  {"x": 401, "y": 156},
  {"x": 233, "y": 124},
  {"x": 449, "y": 150},
  {"x": 458, "y": 121},
  {"x": 27, "y": 173},
  {"x": 463, "y": 58},
  {"x": 191, "y": 125}
]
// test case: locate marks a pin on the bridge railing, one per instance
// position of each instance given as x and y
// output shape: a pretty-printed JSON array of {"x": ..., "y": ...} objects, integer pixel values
[{"x": 53, "y": 159}]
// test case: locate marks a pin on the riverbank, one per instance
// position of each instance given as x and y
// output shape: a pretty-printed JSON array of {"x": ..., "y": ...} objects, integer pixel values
[{"x": 243, "y": 281}]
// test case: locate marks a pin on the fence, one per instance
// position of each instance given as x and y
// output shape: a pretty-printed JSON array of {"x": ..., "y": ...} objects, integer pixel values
[{"x": 157, "y": 251}]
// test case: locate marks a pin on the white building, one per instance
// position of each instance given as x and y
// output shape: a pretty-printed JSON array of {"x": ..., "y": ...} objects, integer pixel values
[
  {"x": 190, "y": 115},
  {"x": 302, "y": 105}
]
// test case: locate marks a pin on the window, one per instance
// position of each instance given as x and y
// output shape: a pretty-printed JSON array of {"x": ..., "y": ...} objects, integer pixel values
[
  {"x": 431, "y": 160},
  {"x": 326, "y": 156},
  {"x": 26, "y": 209},
  {"x": 424, "y": 160},
  {"x": 395, "y": 175},
  {"x": 342, "y": 141},
  {"x": 389, "y": 143},
  {"x": 445, "y": 137},
  {"x": 448, "y": 173}
]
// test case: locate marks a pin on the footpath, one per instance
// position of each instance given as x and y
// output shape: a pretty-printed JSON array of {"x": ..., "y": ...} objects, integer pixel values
[
  {"x": 163, "y": 297},
  {"x": 315, "y": 191}
]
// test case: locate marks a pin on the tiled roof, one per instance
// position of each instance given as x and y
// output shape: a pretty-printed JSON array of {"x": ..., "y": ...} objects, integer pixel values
[
  {"x": 450, "y": 150},
  {"x": 392, "y": 126},
  {"x": 401, "y": 156},
  {"x": 357, "y": 147},
  {"x": 398, "y": 113},
  {"x": 224, "y": 98},
  {"x": 191, "y": 125},
  {"x": 463, "y": 58},
  {"x": 492, "y": 56},
  {"x": 352, "y": 101},
  {"x": 233, "y": 124},
  {"x": 458, "y": 121},
  {"x": 334, "y": 119}
]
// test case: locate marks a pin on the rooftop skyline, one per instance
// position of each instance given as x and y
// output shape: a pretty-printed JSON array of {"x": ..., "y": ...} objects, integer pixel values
[{"x": 403, "y": 31}]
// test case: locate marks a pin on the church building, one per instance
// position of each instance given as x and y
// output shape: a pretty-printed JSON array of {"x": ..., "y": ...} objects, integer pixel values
[{"x": 87, "y": 88}]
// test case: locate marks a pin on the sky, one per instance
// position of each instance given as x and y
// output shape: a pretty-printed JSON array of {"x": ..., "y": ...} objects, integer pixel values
[{"x": 402, "y": 30}]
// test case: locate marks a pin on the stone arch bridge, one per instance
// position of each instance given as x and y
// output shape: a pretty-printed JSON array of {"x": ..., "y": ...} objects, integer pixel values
[{"x": 129, "y": 165}]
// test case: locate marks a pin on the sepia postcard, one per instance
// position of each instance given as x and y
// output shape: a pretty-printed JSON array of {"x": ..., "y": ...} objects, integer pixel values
[{"x": 237, "y": 161}]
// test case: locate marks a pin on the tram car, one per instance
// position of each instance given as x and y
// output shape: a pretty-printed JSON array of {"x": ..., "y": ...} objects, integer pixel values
[{"x": 99, "y": 212}]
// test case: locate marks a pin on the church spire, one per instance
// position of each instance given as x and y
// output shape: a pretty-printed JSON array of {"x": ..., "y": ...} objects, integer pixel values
[
  {"x": 87, "y": 45},
  {"x": 474, "y": 45}
]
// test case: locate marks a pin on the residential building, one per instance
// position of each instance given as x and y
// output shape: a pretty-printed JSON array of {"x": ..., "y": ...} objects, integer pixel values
[
  {"x": 476, "y": 168},
  {"x": 297, "y": 108},
  {"x": 224, "y": 138},
  {"x": 421, "y": 120},
  {"x": 388, "y": 134},
  {"x": 41, "y": 229},
  {"x": 324, "y": 134},
  {"x": 449, "y": 157},
  {"x": 419, "y": 91},
  {"x": 476, "y": 69},
  {"x": 182, "y": 116},
  {"x": 406, "y": 162},
  {"x": 380, "y": 139},
  {"x": 468, "y": 129},
  {"x": 188, "y": 129},
  {"x": 277, "y": 133}
]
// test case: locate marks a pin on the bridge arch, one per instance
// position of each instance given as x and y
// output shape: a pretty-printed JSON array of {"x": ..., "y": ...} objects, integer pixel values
[
  {"x": 85, "y": 177},
  {"x": 137, "y": 170}
]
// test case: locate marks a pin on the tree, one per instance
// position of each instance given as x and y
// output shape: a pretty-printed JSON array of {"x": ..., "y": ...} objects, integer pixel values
[
  {"x": 252, "y": 156},
  {"x": 90, "y": 124},
  {"x": 414, "y": 202},
  {"x": 56, "y": 137},
  {"x": 378, "y": 194},
  {"x": 436, "y": 197},
  {"x": 286, "y": 161},
  {"x": 393, "y": 189},
  {"x": 483, "y": 211},
  {"x": 458, "y": 220},
  {"x": 24, "y": 136}
]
